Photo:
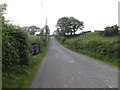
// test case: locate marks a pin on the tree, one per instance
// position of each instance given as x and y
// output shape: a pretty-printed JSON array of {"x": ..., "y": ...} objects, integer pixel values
[
  {"x": 42, "y": 32},
  {"x": 2, "y": 19},
  {"x": 61, "y": 25},
  {"x": 73, "y": 25},
  {"x": 111, "y": 31},
  {"x": 33, "y": 29},
  {"x": 69, "y": 25}
]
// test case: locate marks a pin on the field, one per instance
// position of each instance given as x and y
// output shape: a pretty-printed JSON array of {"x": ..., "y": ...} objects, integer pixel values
[{"x": 95, "y": 36}]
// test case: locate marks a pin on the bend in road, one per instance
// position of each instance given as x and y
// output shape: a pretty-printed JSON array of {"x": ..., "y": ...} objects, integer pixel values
[{"x": 63, "y": 68}]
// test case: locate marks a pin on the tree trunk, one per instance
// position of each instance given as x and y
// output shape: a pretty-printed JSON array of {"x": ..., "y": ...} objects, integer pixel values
[
  {"x": 71, "y": 33},
  {"x": 74, "y": 31}
]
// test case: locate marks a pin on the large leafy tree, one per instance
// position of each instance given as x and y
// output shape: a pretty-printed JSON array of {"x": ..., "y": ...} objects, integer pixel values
[
  {"x": 69, "y": 25},
  {"x": 33, "y": 29},
  {"x": 61, "y": 25},
  {"x": 74, "y": 24}
]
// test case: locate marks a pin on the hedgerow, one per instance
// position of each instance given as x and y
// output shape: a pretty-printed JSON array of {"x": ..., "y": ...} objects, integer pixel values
[
  {"x": 96, "y": 45},
  {"x": 15, "y": 46},
  {"x": 36, "y": 44},
  {"x": 18, "y": 46},
  {"x": 17, "y": 50}
]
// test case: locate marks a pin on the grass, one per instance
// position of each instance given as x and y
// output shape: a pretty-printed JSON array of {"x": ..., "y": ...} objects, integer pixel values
[
  {"x": 24, "y": 79},
  {"x": 93, "y": 36},
  {"x": 96, "y": 56}
]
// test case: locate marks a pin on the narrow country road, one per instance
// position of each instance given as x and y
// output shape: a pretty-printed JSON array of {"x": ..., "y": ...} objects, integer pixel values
[{"x": 63, "y": 68}]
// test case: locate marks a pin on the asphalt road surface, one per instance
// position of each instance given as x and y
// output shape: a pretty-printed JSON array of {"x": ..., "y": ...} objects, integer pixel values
[{"x": 63, "y": 68}]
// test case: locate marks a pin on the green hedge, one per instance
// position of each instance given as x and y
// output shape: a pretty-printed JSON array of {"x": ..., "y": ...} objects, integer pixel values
[
  {"x": 15, "y": 46},
  {"x": 36, "y": 44},
  {"x": 61, "y": 38},
  {"x": 109, "y": 49},
  {"x": 18, "y": 46}
]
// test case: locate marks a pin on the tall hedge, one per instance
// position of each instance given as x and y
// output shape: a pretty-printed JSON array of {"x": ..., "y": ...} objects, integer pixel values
[{"x": 15, "y": 46}]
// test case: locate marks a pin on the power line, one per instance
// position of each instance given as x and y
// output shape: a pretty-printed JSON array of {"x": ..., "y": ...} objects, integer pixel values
[{"x": 41, "y": 4}]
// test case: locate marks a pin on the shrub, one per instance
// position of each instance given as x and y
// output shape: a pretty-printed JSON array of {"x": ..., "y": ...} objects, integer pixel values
[
  {"x": 61, "y": 38},
  {"x": 111, "y": 31},
  {"x": 109, "y": 49},
  {"x": 36, "y": 44},
  {"x": 15, "y": 47}
]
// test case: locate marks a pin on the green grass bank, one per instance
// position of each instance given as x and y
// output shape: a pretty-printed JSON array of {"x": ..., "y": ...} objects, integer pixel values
[{"x": 92, "y": 44}]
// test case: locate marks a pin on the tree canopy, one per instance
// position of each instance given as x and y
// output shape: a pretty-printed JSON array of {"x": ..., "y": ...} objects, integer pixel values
[{"x": 69, "y": 25}]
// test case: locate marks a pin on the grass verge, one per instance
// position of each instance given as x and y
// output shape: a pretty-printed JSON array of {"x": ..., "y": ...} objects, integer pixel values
[
  {"x": 24, "y": 79},
  {"x": 94, "y": 55}
]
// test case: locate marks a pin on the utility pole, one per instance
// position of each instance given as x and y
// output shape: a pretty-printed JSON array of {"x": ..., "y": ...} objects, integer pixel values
[
  {"x": 46, "y": 27},
  {"x": 46, "y": 21},
  {"x": 46, "y": 31}
]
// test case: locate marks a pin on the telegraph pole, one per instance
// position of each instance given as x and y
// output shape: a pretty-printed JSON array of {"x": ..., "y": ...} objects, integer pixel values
[
  {"x": 46, "y": 28},
  {"x": 46, "y": 21}
]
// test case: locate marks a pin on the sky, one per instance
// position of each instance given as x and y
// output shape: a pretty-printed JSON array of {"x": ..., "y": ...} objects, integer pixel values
[{"x": 96, "y": 14}]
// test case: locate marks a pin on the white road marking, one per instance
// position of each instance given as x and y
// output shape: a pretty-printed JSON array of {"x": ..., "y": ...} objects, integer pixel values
[
  {"x": 80, "y": 73},
  {"x": 57, "y": 54},
  {"x": 110, "y": 86},
  {"x": 72, "y": 78},
  {"x": 106, "y": 80},
  {"x": 71, "y": 61}
]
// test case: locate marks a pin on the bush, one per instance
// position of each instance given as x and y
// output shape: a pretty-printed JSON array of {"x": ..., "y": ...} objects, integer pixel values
[
  {"x": 18, "y": 46},
  {"x": 111, "y": 31},
  {"x": 108, "y": 49},
  {"x": 15, "y": 47},
  {"x": 61, "y": 38},
  {"x": 75, "y": 44},
  {"x": 92, "y": 45},
  {"x": 36, "y": 44}
]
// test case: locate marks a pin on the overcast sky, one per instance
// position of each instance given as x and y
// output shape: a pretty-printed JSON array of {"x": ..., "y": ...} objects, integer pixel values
[{"x": 96, "y": 14}]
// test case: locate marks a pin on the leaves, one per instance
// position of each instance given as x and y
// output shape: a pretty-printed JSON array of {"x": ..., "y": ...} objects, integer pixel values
[{"x": 68, "y": 25}]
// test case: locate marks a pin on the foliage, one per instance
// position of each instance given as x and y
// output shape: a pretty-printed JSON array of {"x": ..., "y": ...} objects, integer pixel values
[
  {"x": 47, "y": 29},
  {"x": 17, "y": 49},
  {"x": 36, "y": 44},
  {"x": 15, "y": 46},
  {"x": 62, "y": 39},
  {"x": 33, "y": 29},
  {"x": 110, "y": 31},
  {"x": 73, "y": 25},
  {"x": 61, "y": 25},
  {"x": 17, "y": 52},
  {"x": 96, "y": 45},
  {"x": 68, "y": 26},
  {"x": 21, "y": 76}
]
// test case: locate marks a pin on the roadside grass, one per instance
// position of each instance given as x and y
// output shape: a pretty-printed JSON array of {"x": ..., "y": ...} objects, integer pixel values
[
  {"x": 24, "y": 79},
  {"x": 96, "y": 56},
  {"x": 93, "y": 36}
]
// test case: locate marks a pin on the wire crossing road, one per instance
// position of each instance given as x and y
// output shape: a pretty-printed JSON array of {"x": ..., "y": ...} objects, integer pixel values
[{"x": 63, "y": 68}]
